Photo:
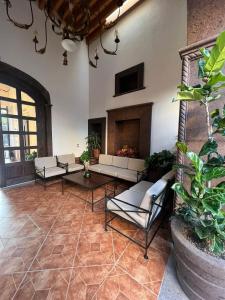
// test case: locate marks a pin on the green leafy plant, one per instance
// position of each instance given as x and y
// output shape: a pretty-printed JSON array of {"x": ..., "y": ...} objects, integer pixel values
[
  {"x": 31, "y": 156},
  {"x": 85, "y": 156},
  {"x": 93, "y": 141},
  {"x": 203, "y": 200},
  {"x": 163, "y": 159}
]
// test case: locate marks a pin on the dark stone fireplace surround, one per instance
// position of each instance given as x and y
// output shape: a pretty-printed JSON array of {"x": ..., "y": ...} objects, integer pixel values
[{"x": 130, "y": 125}]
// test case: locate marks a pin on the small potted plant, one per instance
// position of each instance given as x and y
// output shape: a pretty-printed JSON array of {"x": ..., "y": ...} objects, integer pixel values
[
  {"x": 158, "y": 164},
  {"x": 94, "y": 144},
  {"x": 198, "y": 227},
  {"x": 85, "y": 159}
]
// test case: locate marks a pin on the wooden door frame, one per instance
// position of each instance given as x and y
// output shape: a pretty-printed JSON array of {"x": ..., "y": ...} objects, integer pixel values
[
  {"x": 102, "y": 122},
  {"x": 14, "y": 77}
]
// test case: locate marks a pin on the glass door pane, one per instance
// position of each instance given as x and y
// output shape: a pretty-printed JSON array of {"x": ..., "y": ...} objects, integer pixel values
[
  {"x": 11, "y": 140},
  {"x": 7, "y": 91},
  {"x": 29, "y": 126},
  {"x": 12, "y": 156},
  {"x": 28, "y": 111},
  {"x": 10, "y": 124},
  {"x": 30, "y": 140},
  {"x": 8, "y": 108},
  {"x": 27, "y": 98}
]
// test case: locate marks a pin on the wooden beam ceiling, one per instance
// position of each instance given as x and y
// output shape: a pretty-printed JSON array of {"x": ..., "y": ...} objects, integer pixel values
[{"x": 99, "y": 9}]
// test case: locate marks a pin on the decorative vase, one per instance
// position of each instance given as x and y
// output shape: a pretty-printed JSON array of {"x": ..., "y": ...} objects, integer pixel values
[{"x": 87, "y": 173}]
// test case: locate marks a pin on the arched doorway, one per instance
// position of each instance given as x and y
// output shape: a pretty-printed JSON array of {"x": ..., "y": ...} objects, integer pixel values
[{"x": 25, "y": 125}]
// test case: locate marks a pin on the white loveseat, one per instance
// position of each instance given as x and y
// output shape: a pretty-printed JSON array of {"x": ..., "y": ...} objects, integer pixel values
[
  {"x": 68, "y": 161},
  {"x": 130, "y": 169}
]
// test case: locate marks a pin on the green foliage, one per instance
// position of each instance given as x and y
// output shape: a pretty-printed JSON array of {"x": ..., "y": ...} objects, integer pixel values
[
  {"x": 85, "y": 156},
  {"x": 203, "y": 200},
  {"x": 31, "y": 156},
  {"x": 202, "y": 206},
  {"x": 163, "y": 159},
  {"x": 218, "y": 121},
  {"x": 216, "y": 59},
  {"x": 93, "y": 141}
]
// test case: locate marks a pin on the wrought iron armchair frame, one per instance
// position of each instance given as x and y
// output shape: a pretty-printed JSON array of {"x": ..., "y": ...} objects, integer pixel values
[{"x": 151, "y": 217}]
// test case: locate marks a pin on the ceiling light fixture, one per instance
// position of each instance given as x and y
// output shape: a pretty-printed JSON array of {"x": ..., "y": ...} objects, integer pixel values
[{"x": 77, "y": 29}]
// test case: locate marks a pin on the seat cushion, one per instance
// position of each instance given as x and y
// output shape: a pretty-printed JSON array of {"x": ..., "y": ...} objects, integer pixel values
[
  {"x": 104, "y": 169},
  {"x": 47, "y": 162},
  {"x": 141, "y": 186},
  {"x": 66, "y": 158},
  {"x": 75, "y": 167},
  {"x": 54, "y": 171},
  {"x": 129, "y": 175},
  {"x": 130, "y": 197},
  {"x": 95, "y": 168},
  {"x": 105, "y": 159},
  {"x": 121, "y": 162},
  {"x": 136, "y": 164}
]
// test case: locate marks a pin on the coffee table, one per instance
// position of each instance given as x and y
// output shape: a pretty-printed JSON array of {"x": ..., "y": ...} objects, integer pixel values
[{"x": 95, "y": 181}]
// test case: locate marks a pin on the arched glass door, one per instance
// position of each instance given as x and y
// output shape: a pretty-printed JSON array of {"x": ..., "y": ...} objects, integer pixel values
[{"x": 18, "y": 134}]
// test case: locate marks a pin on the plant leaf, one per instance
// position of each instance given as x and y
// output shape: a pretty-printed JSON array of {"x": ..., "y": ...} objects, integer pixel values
[
  {"x": 209, "y": 147},
  {"x": 217, "y": 245},
  {"x": 196, "y": 161},
  {"x": 205, "y": 53},
  {"x": 211, "y": 205},
  {"x": 217, "y": 78},
  {"x": 216, "y": 60},
  {"x": 201, "y": 232},
  {"x": 215, "y": 113},
  {"x": 213, "y": 173},
  {"x": 181, "y": 192},
  {"x": 182, "y": 147},
  {"x": 193, "y": 95}
]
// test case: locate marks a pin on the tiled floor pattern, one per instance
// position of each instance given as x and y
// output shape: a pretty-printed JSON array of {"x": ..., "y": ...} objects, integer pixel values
[{"x": 53, "y": 247}]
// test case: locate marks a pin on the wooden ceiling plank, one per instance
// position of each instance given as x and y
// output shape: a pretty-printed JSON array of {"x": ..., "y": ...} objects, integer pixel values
[{"x": 41, "y": 4}]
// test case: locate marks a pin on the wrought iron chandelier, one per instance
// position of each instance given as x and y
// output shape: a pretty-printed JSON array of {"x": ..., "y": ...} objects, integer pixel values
[{"x": 72, "y": 33}]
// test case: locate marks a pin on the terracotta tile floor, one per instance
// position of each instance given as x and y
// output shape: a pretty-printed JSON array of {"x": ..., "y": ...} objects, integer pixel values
[{"x": 53, "y": 247}]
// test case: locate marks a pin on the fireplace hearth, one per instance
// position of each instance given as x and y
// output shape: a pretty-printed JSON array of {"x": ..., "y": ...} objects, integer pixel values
[{"x": 129, "y": 130}]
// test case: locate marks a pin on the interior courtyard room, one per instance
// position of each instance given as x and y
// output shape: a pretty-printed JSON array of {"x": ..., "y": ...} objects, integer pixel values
[{"x": 112, "y": 166}]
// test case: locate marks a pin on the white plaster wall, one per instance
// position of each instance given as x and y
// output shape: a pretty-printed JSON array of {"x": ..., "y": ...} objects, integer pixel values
[
  {"x": 68, "y": 85},
  {"x": 153, "y": 33}
]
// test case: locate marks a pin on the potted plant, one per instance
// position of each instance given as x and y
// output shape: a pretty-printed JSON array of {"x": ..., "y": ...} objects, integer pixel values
[
  {"x": 158, "y": 164},
  {"x": 85, "y": 159},
  {"x": 198, "y": 227},
  {"x": 94, "y": 144}
]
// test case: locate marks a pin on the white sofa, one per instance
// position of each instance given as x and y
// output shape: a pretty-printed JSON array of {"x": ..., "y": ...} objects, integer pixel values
[
  {"x": 130, "y": 169},
  {"x": 68, "y": 161}
]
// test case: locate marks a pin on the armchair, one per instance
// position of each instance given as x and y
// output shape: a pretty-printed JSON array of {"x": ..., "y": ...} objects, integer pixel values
[
  {"x": 68, "y": 161},
  {"x": 142, "y": 205},
  {"x": 46, "y": 167}
]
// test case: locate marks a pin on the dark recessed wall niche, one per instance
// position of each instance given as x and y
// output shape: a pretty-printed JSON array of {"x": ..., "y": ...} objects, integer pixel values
[{"x": 129, "y": 80}]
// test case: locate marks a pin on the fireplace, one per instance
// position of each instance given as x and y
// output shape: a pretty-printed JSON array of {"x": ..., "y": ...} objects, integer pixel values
[
  {"x": 127, "y": 137},
  {"x": 130, "y": 127}
]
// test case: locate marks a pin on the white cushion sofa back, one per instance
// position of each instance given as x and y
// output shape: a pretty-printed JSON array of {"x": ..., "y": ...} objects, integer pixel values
[
  {"x": 130, "y": 169},
  {"x": 46, "y": 167},
  {"x": 68, "y": 160}
]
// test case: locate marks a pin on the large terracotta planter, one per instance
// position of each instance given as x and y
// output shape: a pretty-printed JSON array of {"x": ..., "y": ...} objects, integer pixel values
[{"x": 201, "y": 275}]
